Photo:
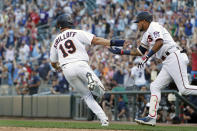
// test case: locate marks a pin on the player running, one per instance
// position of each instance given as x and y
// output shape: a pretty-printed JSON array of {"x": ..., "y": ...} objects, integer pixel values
[
  {"x": 159, "y": 41},
  {"x": 69, "y": 55}
]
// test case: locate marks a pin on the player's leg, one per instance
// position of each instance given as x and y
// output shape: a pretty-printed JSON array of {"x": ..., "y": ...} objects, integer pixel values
[
  {"x": 88, "y": 98},
  {"x": 93, "y": 82},
  {"x": 78, "y": 80},
  {"x": 90, "y": 101},
  {"x": 96, "y": 108},
  {"x": 161, "y": 81},
  {"x": 179, "y": 74}
]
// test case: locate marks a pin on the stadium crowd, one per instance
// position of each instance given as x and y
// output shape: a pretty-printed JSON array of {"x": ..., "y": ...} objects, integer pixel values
[{"x": 27, "y": 28}]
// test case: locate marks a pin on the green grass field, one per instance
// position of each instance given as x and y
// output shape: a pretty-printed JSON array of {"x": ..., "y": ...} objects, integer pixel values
[{"x": 92, "y": 125}]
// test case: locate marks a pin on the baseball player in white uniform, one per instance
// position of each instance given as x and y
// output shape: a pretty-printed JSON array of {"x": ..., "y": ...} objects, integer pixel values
[
  {"x": 159, "y": 41},
  {"x": 68, "y": 54}
]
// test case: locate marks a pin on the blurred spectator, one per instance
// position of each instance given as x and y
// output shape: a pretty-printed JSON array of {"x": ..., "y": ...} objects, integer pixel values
[
  {"x": 9, "y": 53},
  {"x": 107, "y": 27},
  {"x": 24, "y": 52},
  {"x": 138, "y": 74},
  {"x": 123, "y": 98},
  {"x": 128, "y": 79},
  {"x": 44, "y": 70},
  {"x": 33, "y": 83},
  {"x": 106, "y": 106},
  {"x": 59, "y": 85},
  {"x": 9, "y": 68},
  {"x": 43, "y": 15},
  {"x": 55, "y": 87},
  {"x": 142, "y": 102},
  {"x": 193, "y": 53},
  {"x": 171, "y": 115},
  {"x": 21, "y": 84},
  {"x": 188, "y": 28},
  {"x": 119, "y": 75},
  {"x": 190, "y": 115},
  {"x": 122, "y": 109}
]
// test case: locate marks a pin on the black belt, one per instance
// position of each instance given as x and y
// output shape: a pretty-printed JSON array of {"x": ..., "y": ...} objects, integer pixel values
[
  {"x": 164, "y": 57},
  {"x": 63, "y": 65}
]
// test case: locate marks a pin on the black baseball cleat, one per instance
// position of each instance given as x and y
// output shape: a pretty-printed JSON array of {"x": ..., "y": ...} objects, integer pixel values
[{"x": 146, "y": 121}]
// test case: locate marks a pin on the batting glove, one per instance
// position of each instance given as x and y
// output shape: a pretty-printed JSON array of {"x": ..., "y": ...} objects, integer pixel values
[{"x": 141, "y": 64}]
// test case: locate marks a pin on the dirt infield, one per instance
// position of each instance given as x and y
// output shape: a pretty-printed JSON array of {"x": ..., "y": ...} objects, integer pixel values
[{"x": 47, "y": 129}]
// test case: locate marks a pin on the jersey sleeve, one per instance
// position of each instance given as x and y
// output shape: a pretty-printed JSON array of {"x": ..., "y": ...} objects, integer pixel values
[
  {"x": 144, "y": 42},
  {"x": 53, "y": 54},
  {"x": 85, "y": 37},
  {"x": 156, "y": 33}
]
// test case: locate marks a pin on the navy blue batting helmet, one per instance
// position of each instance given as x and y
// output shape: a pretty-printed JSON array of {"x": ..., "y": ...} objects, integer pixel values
[
  {"x": 64, "y": 21},
  {"x": 144, "y": 16}
]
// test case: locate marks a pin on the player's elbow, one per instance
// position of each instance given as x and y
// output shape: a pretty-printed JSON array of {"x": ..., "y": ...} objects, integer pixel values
[
  {"x": 100, "y": 41},
  {"x": 158, "y": 45},
  {"x": 96, "y": 40},
  {"x": 159, "y": 42}
]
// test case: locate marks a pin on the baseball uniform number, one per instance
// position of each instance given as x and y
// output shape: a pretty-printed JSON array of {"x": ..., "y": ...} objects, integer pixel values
[{"x": 68, "y": 45}]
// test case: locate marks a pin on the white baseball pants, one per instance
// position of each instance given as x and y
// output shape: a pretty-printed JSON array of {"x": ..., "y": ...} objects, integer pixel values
[
  {"x": 75, "y": 73},
  {"x": 174, "y": 68}
]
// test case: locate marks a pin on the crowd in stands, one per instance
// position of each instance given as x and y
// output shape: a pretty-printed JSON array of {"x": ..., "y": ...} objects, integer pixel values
[{"x": 27, "y": 28}]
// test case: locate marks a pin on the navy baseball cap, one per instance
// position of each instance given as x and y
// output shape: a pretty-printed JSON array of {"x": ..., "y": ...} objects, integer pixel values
[{"x": 144, "y": 16}]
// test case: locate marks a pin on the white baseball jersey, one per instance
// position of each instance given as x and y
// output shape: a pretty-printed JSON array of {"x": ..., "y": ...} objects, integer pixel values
[
  {"x": 69, "y": 46},
  {"x": 155, "y": 32}
]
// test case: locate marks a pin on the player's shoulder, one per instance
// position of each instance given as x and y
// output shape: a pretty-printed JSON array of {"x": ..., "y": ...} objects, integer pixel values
[
  {"x": 75, "y": 30},
  {"x": 154, "y": 26}
]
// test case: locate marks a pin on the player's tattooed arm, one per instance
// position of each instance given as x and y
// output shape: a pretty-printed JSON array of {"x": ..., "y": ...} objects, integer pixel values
[
  {"x": 135, "y": 52},
  {"x": 158, "y": 45}
]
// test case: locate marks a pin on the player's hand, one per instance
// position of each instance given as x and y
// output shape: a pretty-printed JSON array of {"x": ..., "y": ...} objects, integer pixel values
[
  {"x": 115, "y": 50},
  {"x": 141, "y": 64},
  {"x": 58, "y": 69},
  {"x": 126, "y": 43}
]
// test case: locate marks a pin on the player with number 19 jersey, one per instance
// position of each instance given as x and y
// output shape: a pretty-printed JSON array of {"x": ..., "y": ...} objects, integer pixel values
[{"x": 69, "y": 46}]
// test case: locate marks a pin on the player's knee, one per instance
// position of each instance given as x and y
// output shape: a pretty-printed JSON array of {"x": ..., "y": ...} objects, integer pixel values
[
  {"x": 184, "y": 91},
  {"x": 154, "y": 87}
]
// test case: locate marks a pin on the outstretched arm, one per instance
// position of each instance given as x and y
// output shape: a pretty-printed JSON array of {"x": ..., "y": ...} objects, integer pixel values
[
  {"x": 133, "y": 52},
  {"x": 105, "y": 42},
  {"x": 140, "y": 51},
  {"x": 100, "y": 41}
]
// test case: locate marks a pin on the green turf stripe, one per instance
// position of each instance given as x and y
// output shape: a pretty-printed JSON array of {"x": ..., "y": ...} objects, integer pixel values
[{"x": 91, "y": 125}]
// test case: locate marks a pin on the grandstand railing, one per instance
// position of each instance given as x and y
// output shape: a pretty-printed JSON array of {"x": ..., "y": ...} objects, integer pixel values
[{"x": 135, "y": 93}]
